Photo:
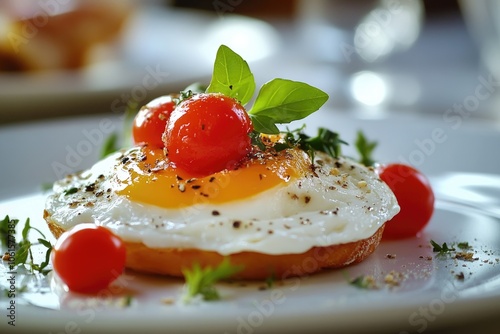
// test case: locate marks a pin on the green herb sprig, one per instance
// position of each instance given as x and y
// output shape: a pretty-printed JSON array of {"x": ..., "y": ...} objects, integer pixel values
[
  {"x": 441, "y": 249},
  {"x": 365, "y": 149},
  {"x": 201, "y": 281},
  {"x": 364, "y": 282},
  {"x": 24, "y": 254}
]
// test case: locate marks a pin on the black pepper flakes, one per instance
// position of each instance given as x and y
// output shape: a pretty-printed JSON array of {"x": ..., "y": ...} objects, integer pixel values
[
  {"x": 215, "y": 213},
  {"x": 307, "y": 199},
  {"x": 196, "y": 186},
  {"x": 236, "y": 224},
  {"x": 90, "y": 187}
]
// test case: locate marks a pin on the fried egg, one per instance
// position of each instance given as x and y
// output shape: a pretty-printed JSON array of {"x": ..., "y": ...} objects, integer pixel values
[{"x": 274, "y": 203}]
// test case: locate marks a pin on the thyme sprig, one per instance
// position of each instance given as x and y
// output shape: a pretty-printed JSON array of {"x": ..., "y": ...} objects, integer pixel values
[
  {"x": 325, "y": 141},
  {"x": 23, "y": 248}
]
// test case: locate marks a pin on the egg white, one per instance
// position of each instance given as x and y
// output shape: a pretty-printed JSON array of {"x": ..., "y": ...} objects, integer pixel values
[{"x": 339, "y": 201}]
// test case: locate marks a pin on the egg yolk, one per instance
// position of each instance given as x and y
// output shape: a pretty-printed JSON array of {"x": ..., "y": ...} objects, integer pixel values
[{"x": 145, "y": 176}]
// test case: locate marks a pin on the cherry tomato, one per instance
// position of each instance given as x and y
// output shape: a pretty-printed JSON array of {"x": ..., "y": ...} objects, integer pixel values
[
  {"x": 88, "y": 258},
  {"x": 208, "y": 133},
  {"x": 150, "y": 121},
  {"x": 415, "y": 197}
]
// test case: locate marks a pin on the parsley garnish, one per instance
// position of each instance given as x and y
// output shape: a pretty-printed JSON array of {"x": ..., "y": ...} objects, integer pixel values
[
  {"x": 365, "y": 149},
  {"x": 70, "y": 191},
  {"x": 441, "y": 249},
  {"x": 200, "y": 281}
]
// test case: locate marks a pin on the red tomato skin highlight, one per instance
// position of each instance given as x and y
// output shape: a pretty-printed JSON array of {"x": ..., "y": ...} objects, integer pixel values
[
  {"x": 150, "y": 122},
  {"x": 88, "y": 258},
  {"x": 415, "y": 197},
  {"x": 208, "y": 133}
]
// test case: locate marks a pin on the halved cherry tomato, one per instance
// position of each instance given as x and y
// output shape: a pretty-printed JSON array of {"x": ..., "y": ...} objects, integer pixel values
[
  {"x": 208, "y": 133},
  {"x": 88, "y": 258},
  {"x": 150, "y": 121},
  {"x": 415, "y": 197}
]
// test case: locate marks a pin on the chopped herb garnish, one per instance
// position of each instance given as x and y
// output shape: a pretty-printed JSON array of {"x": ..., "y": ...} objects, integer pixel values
[
  {"x": 127, "y": 300},
  {"x": 364, "y": 282},
  {"x": 365, "y": 148},
  {"x": 464, "y": 245},
  {"x": 200, "y": 281},
  {"x": 70, "y": 191},
  {"x": 270, "y": 280},
  {"x": 441, "y": 249}
]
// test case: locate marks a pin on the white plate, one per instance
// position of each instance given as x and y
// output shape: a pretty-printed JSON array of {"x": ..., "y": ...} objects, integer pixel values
[
  {"x": 430, "y": 296},
  {"x": 161, "y": 51}
]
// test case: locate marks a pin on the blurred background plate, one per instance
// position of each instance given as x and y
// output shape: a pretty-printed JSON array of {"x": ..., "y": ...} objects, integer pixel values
[{"x": 161, "y": 50}]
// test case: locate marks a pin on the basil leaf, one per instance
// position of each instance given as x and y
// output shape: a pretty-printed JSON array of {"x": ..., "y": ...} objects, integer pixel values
[
  {"x": 232, "y": 76},
  {"x": 285, "y": 101},
  {"x": 264, "y": 124}
]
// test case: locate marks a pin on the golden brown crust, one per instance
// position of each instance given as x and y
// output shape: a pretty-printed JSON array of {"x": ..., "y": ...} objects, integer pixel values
[{"x": 171, "y": 261}]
